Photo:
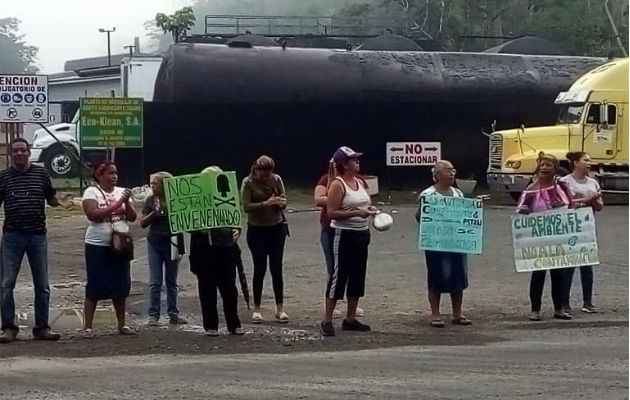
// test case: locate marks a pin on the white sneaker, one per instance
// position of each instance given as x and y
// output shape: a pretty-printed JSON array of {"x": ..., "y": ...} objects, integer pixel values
[{"x": 212, "y": 332}]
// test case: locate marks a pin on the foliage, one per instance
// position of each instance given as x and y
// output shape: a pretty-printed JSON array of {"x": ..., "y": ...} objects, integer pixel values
[
  {"x": 178, "y": 23},
  {"x": 579, "y": 27},
  {"x": 17, "y": 56}
]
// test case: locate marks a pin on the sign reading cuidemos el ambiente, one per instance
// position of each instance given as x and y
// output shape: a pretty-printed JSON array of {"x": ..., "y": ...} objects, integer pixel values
[{"x": 555, "y": 239}]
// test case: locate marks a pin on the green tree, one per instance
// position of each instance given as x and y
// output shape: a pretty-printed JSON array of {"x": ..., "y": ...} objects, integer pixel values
[
  {"x": 178, "y": 23},
  {"x": 17, "y": 56},
  {"x": 159, "y": 42},
  {"x": 580, "y": 27}
]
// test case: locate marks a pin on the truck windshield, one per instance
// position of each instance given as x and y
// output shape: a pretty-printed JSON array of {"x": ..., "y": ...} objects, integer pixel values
[{"x": 570, "y": 114}]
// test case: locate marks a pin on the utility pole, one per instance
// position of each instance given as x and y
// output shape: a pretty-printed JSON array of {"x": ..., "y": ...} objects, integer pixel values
[{"x": 109, "y": 52}]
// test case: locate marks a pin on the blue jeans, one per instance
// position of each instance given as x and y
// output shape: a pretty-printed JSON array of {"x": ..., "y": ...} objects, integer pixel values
[
  {"x": 12, "y": 249},
  {"x": 586, "y": 276},
  {"x": 162, "y": 267}
]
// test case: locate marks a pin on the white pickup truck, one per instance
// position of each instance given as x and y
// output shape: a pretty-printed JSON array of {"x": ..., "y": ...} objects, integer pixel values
[{"x": 137, "y": 80}]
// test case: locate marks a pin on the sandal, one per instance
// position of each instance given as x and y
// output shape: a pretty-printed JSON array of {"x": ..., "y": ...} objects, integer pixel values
[
  {"x": 127, "y": 331},
  {"x": 282, "y": 317},
  {"x": 437, "y": 323},
  {"x": 257, "y": 318},
  {"x": 462, "y": 321},
  {"x": 88, "y": 333}
]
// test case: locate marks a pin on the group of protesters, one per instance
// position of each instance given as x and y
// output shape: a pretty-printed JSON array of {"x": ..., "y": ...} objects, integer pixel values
[{"x": 214, "y": 254}]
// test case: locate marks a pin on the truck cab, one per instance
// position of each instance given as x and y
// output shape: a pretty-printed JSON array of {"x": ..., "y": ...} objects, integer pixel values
[
  {"x": 137, "y": 80},
  {"x": 593, "y": 117}
]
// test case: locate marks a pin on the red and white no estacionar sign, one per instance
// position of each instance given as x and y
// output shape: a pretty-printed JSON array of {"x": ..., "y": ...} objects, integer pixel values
[{"x": 413, "y": 154}]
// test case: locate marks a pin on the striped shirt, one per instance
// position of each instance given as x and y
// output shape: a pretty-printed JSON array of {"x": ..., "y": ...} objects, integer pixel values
[{"x": 23, "y": 195}]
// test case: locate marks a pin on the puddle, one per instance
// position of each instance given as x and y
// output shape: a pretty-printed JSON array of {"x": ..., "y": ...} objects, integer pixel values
[
  {"x": 69, "y": 318},
  {"x": 284, "y": 335}
]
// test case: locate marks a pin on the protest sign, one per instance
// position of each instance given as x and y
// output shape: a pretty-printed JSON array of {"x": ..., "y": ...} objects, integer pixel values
[
  {"x": 451, "y": 224},
  {"x": 226, "y": 199},
  {"x": 554, "y": 239},
  {"x": 203, "y": 201}
]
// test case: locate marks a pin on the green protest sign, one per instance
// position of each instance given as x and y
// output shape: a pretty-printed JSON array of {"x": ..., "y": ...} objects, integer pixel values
[
  {"x": 451, "y": 224},
  {"x": 203, "y": 201},
  {"x": 226, "y": 199},
  {"x": 111, "y": 122},
  {"x": 555, "y": 239}
]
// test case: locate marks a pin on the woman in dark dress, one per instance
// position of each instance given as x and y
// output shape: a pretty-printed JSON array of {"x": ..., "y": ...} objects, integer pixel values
[{"x": 446, "y": 272}]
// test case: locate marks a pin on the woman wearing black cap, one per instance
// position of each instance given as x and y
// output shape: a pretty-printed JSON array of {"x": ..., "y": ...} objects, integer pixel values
[{"x": 349, "y": 207}]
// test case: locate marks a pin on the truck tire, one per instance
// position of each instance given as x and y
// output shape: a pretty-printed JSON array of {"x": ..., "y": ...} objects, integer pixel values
[{"x": 60, "y": 164}]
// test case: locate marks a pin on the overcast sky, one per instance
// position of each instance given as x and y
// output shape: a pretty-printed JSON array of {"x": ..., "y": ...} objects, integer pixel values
[{"x": 68, "y": 29}]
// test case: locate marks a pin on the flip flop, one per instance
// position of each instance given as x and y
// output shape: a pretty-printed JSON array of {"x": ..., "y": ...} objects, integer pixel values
[
  {"x": 437, "y": 323},
  {"x": 88, "y": 333},
  {"x": 126, "y": 331},
  {"x": 282, "y": 317},
  {"x": 257, "y": 318},
  {"x": 462, "y": 321}
]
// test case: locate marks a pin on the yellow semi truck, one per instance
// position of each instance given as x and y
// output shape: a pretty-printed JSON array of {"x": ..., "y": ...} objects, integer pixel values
[{"x": 593, "y": 118}]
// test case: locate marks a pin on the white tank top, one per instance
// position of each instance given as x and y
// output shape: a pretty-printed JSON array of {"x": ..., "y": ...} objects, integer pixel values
[{"x": 353, "y": 199}]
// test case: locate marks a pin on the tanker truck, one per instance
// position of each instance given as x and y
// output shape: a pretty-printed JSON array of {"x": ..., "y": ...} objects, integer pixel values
[
  {"x": 593, "y": 117},
  {"x": 226, "y": 104}
]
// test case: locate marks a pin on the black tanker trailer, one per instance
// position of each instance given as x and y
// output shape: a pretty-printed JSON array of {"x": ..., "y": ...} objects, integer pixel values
[{"x": 227, "y": 104}]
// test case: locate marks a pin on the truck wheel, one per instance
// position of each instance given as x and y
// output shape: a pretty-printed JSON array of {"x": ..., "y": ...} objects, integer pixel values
[{"x": 60, "y": 164}]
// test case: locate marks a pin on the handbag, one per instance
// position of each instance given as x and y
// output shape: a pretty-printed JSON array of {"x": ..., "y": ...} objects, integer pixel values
[
  {"x": 121, "y": 243},
  {"x": 284, "y": 223}
]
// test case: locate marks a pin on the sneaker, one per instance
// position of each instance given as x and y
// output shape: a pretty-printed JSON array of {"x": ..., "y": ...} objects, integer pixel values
[
  {"x": 8, "y": 335},
  {"x": 360, "y": 312},
  {"x": 562, "y": 315},
  {"x": 212, "y": 332},
  {"x": 327, "y": 328},
  {"x": 177, "y": 320},
  {"x": 237, "y": 331},
  {"x": 567, "y": 309},
  {"x": 535, "y": 316},
  {"x": 153, "y": 321},
  {"x": 589, "y": 308},
  {"x": 47, "y": 334},
  {"x": 355, "y": 326}
]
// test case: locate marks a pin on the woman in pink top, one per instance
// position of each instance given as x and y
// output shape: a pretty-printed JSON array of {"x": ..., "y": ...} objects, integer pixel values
[{"x": 546, "y": 193}]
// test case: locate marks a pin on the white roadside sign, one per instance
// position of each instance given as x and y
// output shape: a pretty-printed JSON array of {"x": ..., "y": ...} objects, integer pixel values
[
  {"x": 413, "y": 154},
  {"x": 23, "y": 98}
]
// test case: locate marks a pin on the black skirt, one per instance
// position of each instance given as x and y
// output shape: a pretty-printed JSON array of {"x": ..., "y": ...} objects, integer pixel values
[{"x": 108, "y": 276}]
